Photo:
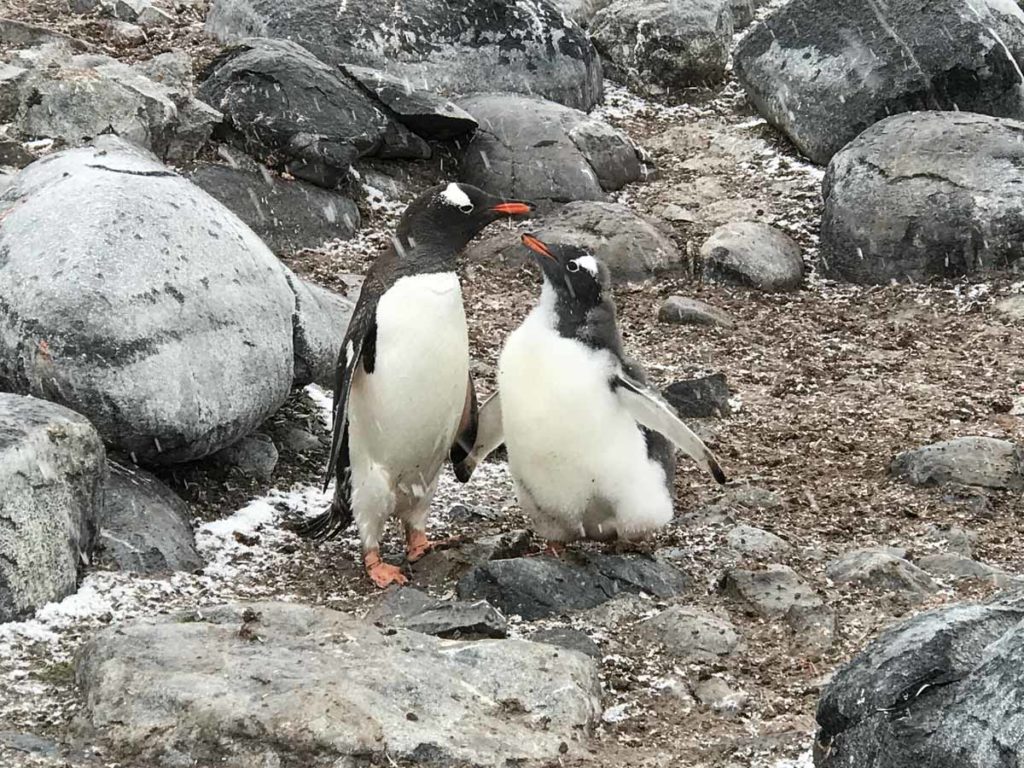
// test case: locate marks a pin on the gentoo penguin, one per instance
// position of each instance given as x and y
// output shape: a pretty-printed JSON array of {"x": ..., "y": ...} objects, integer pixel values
[
  {"x": 403, "y": 398},
  {"x": 586, "y": 438}
]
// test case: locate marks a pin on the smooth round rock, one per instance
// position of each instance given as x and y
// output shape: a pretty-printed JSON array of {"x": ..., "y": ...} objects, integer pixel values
[
  {"x": 151, "y": 309},
  {"x": 753, "y": 254}
]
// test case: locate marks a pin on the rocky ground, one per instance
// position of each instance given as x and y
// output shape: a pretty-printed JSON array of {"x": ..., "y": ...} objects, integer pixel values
[{"x": 828, "y": 384}]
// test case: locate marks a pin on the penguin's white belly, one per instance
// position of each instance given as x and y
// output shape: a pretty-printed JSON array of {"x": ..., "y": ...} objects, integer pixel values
[
  {"x": 578, "y": 457},
  {"x": 404, "y": 416}
]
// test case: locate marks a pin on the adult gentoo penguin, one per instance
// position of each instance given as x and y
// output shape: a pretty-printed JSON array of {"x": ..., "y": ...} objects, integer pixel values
[
  {"x": 586, "y": 438},
  {"x": 403, "y": 398}
]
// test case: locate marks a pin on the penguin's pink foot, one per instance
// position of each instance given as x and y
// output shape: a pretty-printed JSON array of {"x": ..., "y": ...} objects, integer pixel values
[
  {"x": 551, "y": 549},
  {"x": 382, "y": 574},
  {"x": 417, "y": 544}
]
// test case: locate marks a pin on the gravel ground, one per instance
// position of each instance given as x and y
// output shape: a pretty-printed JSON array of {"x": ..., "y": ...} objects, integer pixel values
[{"x": 828, "y": 384}]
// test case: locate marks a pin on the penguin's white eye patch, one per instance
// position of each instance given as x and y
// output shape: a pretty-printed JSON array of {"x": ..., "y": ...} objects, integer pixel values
[
  {"x": 455, "y": 196},
  {"x": 588, "y": 263}
]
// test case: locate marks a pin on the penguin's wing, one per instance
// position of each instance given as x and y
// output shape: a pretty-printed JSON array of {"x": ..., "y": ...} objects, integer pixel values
[
  {"x": 489, "y": 435},
  {"x": 465, "y": 437},
  {"x": 358, "y": 346},
  {"x": 652, "y": 412}
]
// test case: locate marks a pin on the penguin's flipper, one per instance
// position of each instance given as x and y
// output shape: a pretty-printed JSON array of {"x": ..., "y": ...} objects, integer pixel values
[
  {"x": 465, "y": 437},
  {"x": 358, "y": 346},
  {"x": 652, "y": 412},
  {"x": 489, "y": 435}
]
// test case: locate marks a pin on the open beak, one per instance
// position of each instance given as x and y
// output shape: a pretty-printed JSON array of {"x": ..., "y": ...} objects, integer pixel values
[
  {"x": 538, "y": 247},
  {"x": 513, "y": 208}
]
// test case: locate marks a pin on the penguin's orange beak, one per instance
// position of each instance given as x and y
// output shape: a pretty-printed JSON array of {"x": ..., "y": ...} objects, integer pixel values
[
  {"x": 513, "y": 208},
  {"x": 538, "y": 247}
]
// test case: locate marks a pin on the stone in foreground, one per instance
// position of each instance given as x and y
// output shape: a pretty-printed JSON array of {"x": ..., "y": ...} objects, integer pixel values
[
  {"x": 986, "y": 462},
  {"x": 316, "y": 682},
  {"x": 540, "y": 587},
  {"x": 822, "y": 71},
  {"x": 923, "y": 196},
  {"x": 408, "y": 608},
  {"x": 753, "y": 254},
  {"x": 51, "y": 468},
  {"x": 943, "y": 690}
]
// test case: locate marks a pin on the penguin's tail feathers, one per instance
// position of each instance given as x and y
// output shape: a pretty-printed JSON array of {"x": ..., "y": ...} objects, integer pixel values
[{"x": 328, "y": 524}]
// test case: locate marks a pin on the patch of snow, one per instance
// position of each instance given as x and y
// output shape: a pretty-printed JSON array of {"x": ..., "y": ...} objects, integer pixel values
[
  {"x": 616, "y": 714},
  {"x": 805, "y": 760},
  {"x": 324, "y": 401}
]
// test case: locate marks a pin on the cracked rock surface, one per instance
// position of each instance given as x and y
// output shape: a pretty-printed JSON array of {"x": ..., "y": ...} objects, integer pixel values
[{"x": 895, "y": 209}]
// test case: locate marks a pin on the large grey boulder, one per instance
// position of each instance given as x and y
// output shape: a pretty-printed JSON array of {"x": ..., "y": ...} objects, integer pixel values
[
  {"x": 527, "y": 46},
  {"x": 53, "y": 94},
  {"x": 259, "y": 684},
  {"x": 538, "y": 150},
  {"x": 133, "y": 297},
  {"x": 665, "y": 44},
  {"x": 631, "y": 246},
  {"x": 982, "y": 461},
  {"x": 822, "y": 72},
  {"x": 144, "y": 526},
  {"x": 288, "y": 215},
  {"x": 281, "y": 104},
  {"x": 51, "y": 471},
  {"x": 942, "y": 690},
  {"x": 925, "y": 195}
]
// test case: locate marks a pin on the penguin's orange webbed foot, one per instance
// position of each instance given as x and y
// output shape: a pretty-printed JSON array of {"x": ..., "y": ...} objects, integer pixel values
[
  {"x": 418, "y": 545},
  {"x": 382, "y": 574}
]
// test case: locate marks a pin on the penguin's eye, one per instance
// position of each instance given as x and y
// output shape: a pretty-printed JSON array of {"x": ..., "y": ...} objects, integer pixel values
[
  {"x": 572, "y": 266},
  {"x": 467, "y": 208}
]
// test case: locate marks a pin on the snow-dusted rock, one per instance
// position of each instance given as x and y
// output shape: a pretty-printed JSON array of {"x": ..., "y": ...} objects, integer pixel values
[
  {"x": 288, "y": 215},
  {"x": 682, "y": 310},
  {"x": 665, "y": 44},
  {"x": 942, "y": 690},
  {"x": 281, "y": 104},
  {"x": 525, "y": 46},
  {"x": 144, "y": 526},
  {"x": 823, "y": 72},
  {"x": 421, "y": 111},
  {"x": 691, "y": 635},
  {"x": 51, "y": 469},
  {"x": 74, "y": 98},
  {"x": 259, "y": 684},
  {"x": 925, "y": 195},
  {"x": 533, "y": 149}
]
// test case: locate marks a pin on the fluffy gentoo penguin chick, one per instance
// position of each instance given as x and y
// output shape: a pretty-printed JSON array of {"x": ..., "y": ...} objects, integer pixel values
[
  {"x": 403, "y": 398},
  {"x": 585, "y": 437}
]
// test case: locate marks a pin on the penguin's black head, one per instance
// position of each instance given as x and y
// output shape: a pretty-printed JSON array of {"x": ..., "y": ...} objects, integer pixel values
[
  {"x": 573, "y": 271},
  {"x": 446, "y": 217}
]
